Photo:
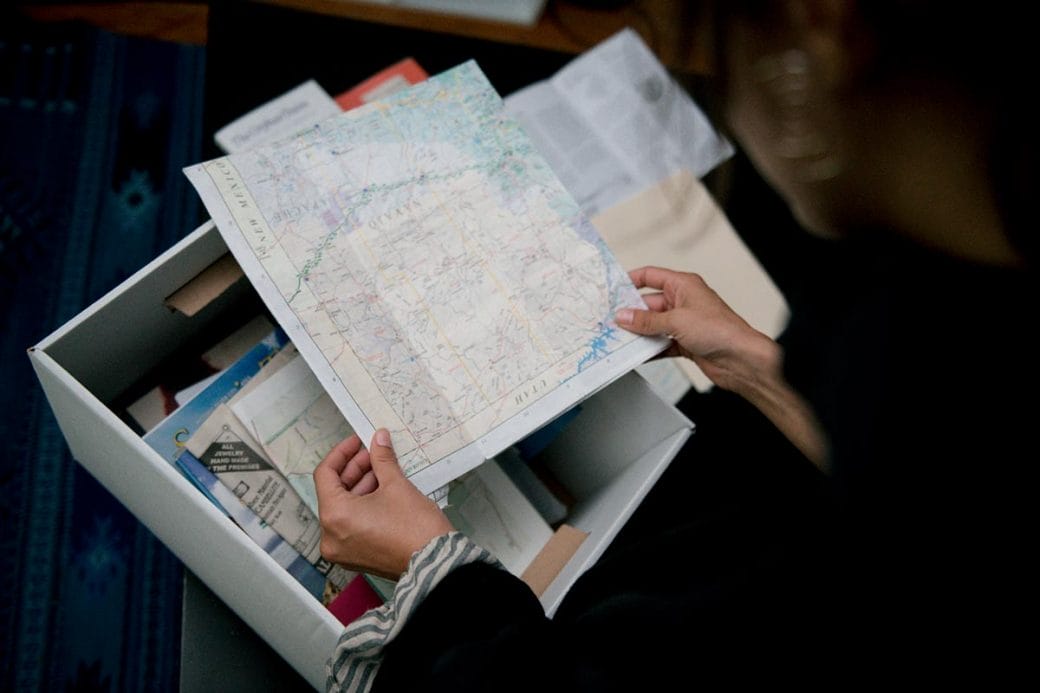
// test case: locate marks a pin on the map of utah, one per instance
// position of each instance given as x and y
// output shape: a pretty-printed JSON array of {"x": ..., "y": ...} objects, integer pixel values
[{"x": 431, "y": 269}]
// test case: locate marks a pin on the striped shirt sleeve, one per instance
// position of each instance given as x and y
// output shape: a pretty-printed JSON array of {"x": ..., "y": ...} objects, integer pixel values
[{"x": 358, "y": 654}]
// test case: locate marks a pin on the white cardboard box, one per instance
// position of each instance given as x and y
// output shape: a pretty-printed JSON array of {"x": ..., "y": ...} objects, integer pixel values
[{"x": 608, "y": 457}]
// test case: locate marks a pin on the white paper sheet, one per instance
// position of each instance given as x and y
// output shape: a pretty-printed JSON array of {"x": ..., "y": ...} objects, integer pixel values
[{"x": 613, "y": 122}]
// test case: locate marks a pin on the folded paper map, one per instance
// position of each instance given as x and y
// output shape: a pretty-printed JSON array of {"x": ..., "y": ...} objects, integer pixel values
[
  {"x": 295, "y": 422},
  {"x": 431, "y": 269}
]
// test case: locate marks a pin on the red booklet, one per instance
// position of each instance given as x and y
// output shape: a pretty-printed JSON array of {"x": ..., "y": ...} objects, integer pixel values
[
  {"x": 397, "y": 76},
  {"x": 355, "y": 599}
]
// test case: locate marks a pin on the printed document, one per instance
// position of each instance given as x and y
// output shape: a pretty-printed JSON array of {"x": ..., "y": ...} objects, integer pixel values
[
  {"x": 613, "y": 122},
  {"x": 228, "y": 451}
]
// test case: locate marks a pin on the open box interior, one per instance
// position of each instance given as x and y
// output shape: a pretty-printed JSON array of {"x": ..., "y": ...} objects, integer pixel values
[{"x": 607, "y": 457}]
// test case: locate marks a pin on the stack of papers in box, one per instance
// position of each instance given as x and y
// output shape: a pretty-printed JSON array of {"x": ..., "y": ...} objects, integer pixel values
[
  {"x": 237, "y": 478},
  {"x": 252, "y": 437}
]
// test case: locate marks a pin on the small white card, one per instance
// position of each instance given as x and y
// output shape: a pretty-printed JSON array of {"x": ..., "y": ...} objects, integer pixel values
[{"x": 283, "y": 116}]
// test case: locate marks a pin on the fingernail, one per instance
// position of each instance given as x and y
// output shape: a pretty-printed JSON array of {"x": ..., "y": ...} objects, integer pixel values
[
  {"x": 383, "y": 438},
  {"x": 623, "y": 316}
]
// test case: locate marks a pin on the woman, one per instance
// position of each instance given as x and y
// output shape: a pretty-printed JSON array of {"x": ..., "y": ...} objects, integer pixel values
[{"x": 886, "y": 129}]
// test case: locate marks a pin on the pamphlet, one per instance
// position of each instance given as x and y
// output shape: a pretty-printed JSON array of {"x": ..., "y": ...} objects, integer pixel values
[{"x": 613, "y": 122}]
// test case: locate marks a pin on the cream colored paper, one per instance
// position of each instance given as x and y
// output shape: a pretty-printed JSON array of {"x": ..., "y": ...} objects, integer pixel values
[{"x": 677, "y": 224}]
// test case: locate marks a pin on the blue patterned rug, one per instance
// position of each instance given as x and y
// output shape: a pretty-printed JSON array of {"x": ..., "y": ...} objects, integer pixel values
[{"x": 94, "y": 130}]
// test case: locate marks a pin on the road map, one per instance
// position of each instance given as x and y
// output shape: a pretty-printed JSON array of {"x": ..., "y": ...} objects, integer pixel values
[{"x": 431, "y": 269}]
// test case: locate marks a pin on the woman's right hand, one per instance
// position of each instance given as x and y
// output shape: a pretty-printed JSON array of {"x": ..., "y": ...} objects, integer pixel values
[
  {"x": 703, "y": 328},
  {"x": 736, "y": 356}
]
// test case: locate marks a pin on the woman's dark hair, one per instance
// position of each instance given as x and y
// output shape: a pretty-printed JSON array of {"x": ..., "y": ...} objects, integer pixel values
[
  {"x": 980, "y": 48},
  {"x": 983, "y": 49}
]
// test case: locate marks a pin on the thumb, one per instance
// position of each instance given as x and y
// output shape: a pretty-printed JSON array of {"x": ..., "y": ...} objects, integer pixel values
[
  {"x": 384, "y": 459},
  {"x": 646, "y": 322}
]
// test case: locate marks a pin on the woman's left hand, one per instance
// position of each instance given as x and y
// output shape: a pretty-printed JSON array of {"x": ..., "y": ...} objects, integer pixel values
[{"x": 372, "y": 517}]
